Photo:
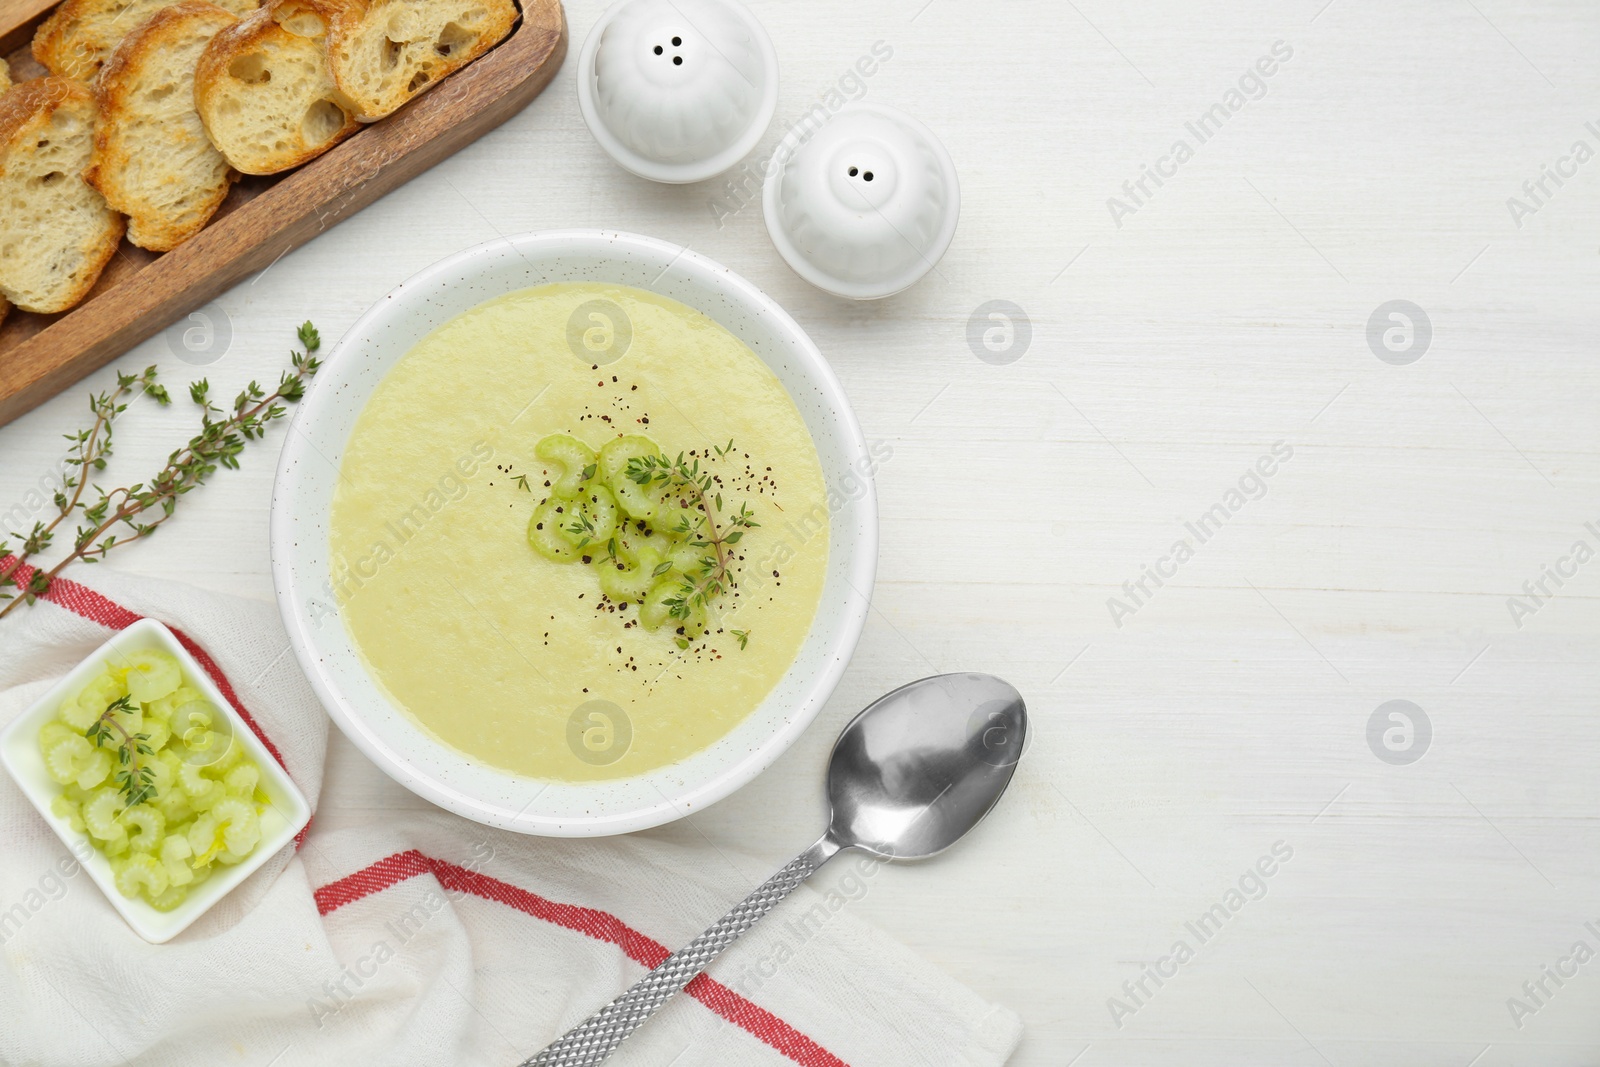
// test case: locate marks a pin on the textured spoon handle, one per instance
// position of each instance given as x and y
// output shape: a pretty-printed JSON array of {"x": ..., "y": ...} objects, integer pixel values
[{"x": 598, "y": 1037}]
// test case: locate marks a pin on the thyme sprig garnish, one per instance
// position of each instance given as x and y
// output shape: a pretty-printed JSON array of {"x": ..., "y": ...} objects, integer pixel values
[
  {"x": 135, "y": 780},
  {"x": 698, "y": 523},
  {"x": 89, "y": 451},
  {"x": 131, "y": 513},
  {"x": 582, "y": 527}
]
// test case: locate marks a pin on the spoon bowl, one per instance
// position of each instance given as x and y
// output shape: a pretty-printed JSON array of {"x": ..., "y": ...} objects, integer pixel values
[{"x": 920, "y": 766}]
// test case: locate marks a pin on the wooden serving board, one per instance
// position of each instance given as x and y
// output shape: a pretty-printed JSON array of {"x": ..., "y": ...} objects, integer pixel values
[{"x": 263, "y": 217}]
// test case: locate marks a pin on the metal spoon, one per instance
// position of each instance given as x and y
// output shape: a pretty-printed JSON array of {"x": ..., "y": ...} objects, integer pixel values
[{"x": 908, "y": 777}]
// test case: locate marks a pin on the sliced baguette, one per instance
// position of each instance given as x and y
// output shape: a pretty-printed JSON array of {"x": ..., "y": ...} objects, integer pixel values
[
  {"x": 56, "y": 232},
  {"x": 152, "y": 159},
  {"x": 384, "y": 52},
  {"x": 79, "y": 38},
  {"x": 5, "y": 83},
  {"x": 264, "y": 91}
]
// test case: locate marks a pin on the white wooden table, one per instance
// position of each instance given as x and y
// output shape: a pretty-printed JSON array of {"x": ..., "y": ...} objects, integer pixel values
[{"x": 1181, "y": 736}]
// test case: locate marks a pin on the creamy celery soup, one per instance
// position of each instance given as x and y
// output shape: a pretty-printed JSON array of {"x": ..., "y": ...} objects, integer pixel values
[{"x": 580, "y": 532}]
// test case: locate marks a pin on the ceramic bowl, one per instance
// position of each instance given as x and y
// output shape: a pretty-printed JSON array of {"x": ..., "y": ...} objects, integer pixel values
[
  {"x": 678, "y": 90},
  {"x": 285, "y": 816},
  {"x": 308, "y": 471}
]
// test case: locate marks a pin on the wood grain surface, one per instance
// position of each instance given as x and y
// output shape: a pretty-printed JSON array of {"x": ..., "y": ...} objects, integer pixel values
[
  {"x": 18, "y": 20},
  {"x": 264, "y": 217}
]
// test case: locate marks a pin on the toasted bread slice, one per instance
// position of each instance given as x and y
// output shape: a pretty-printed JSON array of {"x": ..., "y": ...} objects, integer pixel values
[
  {"x": 384, "y": 52},
  {"x": 79, "y": 38},
  {"x": 56, "y": 232},
  {"x": 264, "y": 90},
  {"x": 152, "y": 159},
  {"x": 5, "y": 83}
]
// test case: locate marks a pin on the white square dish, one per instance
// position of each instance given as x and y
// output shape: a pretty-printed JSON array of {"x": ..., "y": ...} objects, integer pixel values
[{"x": 286, "y": 815}]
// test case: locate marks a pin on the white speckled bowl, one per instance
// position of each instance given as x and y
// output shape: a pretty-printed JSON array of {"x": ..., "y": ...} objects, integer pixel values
[{"x": 308, "y": 470}]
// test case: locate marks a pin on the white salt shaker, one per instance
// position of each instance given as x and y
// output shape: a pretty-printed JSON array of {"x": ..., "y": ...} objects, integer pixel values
[
  {"x": 678, "y": 90},
  {"x": 864, "y": 205}
]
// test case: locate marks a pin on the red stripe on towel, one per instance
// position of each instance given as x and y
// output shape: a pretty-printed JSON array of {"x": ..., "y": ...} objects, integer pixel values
[{"x": 599, "y": 925}]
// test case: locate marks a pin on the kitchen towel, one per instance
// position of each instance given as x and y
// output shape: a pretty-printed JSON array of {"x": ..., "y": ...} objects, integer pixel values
[{"x": 422, "y": 938}]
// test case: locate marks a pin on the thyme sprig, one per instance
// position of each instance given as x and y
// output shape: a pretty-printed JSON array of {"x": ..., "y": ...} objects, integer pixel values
[
  {"x": 127, "y": 514},
  {"x": 582, "y": 527},
  {"x": 88, "y": 452},
  {"x": 683, "y": 477},
  {"x": 135, "y": 780}
]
